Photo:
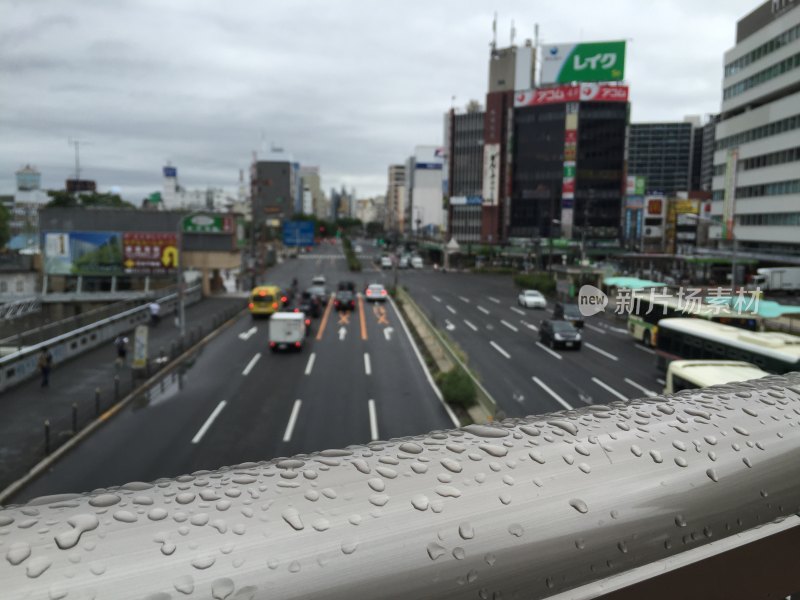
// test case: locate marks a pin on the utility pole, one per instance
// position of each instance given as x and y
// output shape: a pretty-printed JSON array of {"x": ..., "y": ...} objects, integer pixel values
[{"x": 77, "y": 145}]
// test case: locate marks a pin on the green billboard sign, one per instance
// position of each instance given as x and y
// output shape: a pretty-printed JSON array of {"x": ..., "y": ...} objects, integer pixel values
[
  {"x": 208, "y": 224},
  {"x": 589, "y": 61}
]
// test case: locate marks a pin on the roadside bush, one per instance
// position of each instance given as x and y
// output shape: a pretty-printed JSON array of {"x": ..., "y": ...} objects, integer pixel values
[
  {"x": 457, "y": 387},
  {"x": 494, "y": 270},
  {"x": 543, "y": 282},
  {"x": 352, "y": 262}
]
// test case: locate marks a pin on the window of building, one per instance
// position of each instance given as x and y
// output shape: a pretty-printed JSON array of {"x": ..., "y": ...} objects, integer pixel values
[
  {"x": 763, "y": 50},
  {"x": 757, "y": 133},
  {"x": 776, "y": 70}
]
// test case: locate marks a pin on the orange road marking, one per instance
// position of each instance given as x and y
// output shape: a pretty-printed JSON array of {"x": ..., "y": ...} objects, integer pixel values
[
  {"x": 325, "y": 318},
  {"x": 361, "y": 317},
  {"x": 344, "y": 318}
]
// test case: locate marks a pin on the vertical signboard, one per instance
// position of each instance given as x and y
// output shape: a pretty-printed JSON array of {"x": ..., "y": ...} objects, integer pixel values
[
  {"x": 568, "y": 178},
  {"x": 140, "y": 347},
  {"x": 728, "y": 204},
  {"x": 491, "y": 173}
]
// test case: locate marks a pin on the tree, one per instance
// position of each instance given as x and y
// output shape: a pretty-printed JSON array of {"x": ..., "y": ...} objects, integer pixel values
[
  {"x": 5, "y": 233},
  {"x": 61, "y": 198},
  {"x": 374, "y": 229}
]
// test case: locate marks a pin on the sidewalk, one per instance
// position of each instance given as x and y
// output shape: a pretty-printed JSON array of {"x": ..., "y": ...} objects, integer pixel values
[{"x": 25, "y": 408}]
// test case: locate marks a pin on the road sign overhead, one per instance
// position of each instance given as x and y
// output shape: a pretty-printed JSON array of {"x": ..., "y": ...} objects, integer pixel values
[{"x": 298, "y": 233}]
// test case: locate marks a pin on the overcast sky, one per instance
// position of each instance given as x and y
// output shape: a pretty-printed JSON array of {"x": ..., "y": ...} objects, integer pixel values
[{"x": 351, "y": 86}]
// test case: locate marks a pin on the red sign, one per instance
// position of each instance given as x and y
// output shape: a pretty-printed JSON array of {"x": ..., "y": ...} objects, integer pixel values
[
  {"x": 570, "y": 137},
  {"x": 584, "y": 92},
  {"x": 568, "y": 185},
  {"x": 149, "y": 252}
]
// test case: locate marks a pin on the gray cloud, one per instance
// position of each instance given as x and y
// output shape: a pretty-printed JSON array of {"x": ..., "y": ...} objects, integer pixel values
[{"x": 351, "y": 85}]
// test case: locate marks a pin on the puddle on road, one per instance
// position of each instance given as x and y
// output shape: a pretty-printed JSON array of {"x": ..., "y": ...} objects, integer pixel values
[{"x": 168, "y": 386}]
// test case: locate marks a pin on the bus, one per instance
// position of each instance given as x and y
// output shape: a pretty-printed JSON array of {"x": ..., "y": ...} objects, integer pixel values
[
  {"x": 699, "y": 339},
  {"x": 646, "y": 312},
  {"x": 696, "y": 374}
]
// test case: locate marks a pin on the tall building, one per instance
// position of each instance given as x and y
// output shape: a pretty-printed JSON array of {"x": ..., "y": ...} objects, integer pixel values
[
  {"x": 662, "y": 154},
  {"x": 568, "y": 163},
  {"x": 707, "y": 157},
  {"x": 756, "y": 185},
  {"x": 314, "y": 201},
  {"x": 696, "y": 162},
  {"x": 464, "y": 137},
  {"x": 425, "y": 211},
  {"x": 394, "y": 217},
  {"x": 272, "y": 191}
]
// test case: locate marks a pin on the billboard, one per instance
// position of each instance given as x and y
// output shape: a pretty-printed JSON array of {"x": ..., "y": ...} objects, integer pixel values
[
  {"x": 491, "y": 173},
  {"x": 731, "y": 164},
  {"x": 584, "y": 92},
  {"x": 635, "y": 185},
  {"x": 589, "y": 61},
  {"x": 209, "y": 224},
  {"x": 298, "y": 233},
  {"x": 466, "y": 201},
  {"x": 149, "y": 253},
  {"x": 83, "y": 253}
]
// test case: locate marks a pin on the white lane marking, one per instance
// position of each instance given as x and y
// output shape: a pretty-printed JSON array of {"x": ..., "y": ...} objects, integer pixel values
[
  {"x": 342, "y": 333},
  {"x": 644, "y": 348},
  {"x": 550, "y": 310},
  {"x": 519, "y": 311},
  {"x": 483, "y": 310},
  {"x": 495, "y": 300},
  {"x": 470, "y": 325},
  {"x": 251, "y": 364},
  {"x": 246, "y": 335},
  {"x": 529, "y": 326},
  {"x": 424, "y": 366},
  {"x": 661, "y": 381},
  {"x": 373, "y": 421},
  {"x": 463, "y": 299},
  {"x": 287, "y": 435},
  {"x": 387, "y": 333},
  {"x": 641, "y": 388},
  {"x": 616, "y": 329},
  {"x": 547, "y": 389},
  {"x": 597, "y": 329},
  {"x": 310, "y": 364},
  {"x": 509, "y": 325},
  {"x": 450, "y": 308},
  {"x": 367, "y": 364},
  {"x": 199, "y": 435},
  {"x": 436, "y": 298},
  {"x": 608, "y": 388},
  {"x": 499, "y": 349},
  {"x": 600, "y": 351},
  {"x": 548, "y": 350}
]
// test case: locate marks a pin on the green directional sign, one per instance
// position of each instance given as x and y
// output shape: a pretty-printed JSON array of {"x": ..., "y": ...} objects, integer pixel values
[
  {"x": 583, "y": 62},
  {"x": 569, "y": 171}
]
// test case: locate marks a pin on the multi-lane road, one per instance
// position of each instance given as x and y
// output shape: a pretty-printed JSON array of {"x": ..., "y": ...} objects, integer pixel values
[{"x": 359, "y": 378}]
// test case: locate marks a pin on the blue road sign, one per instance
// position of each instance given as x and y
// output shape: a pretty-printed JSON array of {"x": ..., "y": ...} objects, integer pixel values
[{"x": 298, "y": 233}]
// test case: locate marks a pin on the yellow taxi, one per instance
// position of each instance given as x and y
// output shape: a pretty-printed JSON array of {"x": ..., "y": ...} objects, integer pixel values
[{"x": 266, "y": 300}]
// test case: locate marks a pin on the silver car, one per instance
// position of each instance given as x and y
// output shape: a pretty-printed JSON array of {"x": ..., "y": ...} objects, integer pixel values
[{"x": 531, "y": 299}]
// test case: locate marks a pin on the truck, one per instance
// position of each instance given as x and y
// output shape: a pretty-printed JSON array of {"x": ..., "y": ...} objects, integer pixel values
[
  {"x": 777, "y": 279},
  {"x": 288, "y": 330}
]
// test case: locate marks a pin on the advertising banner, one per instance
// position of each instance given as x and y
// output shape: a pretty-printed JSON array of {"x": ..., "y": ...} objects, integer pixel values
[
  {"x": 83, "y": 253},
  {"x": 635, "y": 185},
  {"x": 585, "y": 92},
  {"x": 634, "y": 202},
  {"x": 491, "y": 173},
  {"x": 208, "y": 224},
  {"x": 466, "y": 201},
  {"x": 588, "y": 61},
  {"x": 140, "y": 347},
  {"x": 729, "y": 201},
  {"x": 150, "y": 253}
]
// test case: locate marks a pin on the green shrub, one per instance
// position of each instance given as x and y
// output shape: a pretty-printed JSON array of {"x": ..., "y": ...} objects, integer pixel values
[
  {"x": 543, "y": 282},
  {"x": 457, "y": 387}
]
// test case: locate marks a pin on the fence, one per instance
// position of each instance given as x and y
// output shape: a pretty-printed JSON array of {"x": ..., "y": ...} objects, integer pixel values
[{"x": 573, "y": 504}]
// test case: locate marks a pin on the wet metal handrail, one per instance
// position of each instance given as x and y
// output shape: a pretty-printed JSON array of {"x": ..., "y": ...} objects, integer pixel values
[{"x": 527, "y": 508}]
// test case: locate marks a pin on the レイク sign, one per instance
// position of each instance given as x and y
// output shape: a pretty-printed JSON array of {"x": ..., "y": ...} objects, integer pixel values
[{"x": 591, "y": 61}]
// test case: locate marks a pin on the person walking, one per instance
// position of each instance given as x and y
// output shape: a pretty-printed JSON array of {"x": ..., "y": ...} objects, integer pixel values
[
  {"x": 155, "y": 310},
  {"x": 121, "y": 343},
  {"x": 45, "y": 363}
]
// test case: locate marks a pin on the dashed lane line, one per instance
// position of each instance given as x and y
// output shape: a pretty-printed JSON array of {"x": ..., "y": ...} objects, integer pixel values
[
  {"x": 470, "y": 325},
  {"x": 373, "y": 420},
  {"x": 547, "y": 389},
  {"x": 499, "y": 349},
  {"x": 483, "y": 310},
  {"x": 310, "y": 363},
  {"x": 287, "y": 435},
  {"x": 202, "y": 431},
  {"x": 509, "y": 325},
  {"x": 548, "y": 350},
  {"x": 251, "y": 364},
  {"x": 609, "y": 389},
  {"x": 600, "y": 351},
  {"x": 641, "y": 388}
]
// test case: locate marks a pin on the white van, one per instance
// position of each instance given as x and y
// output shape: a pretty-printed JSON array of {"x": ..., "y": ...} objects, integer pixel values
[
  {"x": 287, "y": 331},
  {"x": 416, "y": 262}
]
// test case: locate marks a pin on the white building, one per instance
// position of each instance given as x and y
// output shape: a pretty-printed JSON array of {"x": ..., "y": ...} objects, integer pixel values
[
  {"x": 176, "y": 196},
  {"x": 424, "y": 211},
  {"x": 759, "y": 133}
]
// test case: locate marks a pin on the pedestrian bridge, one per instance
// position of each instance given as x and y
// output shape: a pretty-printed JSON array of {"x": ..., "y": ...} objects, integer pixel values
[{"x": 690, "y": 496}]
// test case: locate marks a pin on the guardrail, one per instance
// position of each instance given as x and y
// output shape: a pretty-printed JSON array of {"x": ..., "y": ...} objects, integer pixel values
[
  {"x": 22, "y": 364},
  {"x": 574, "y": 504}
]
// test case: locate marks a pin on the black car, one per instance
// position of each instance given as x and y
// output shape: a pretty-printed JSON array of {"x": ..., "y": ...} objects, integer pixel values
[
  {"x": 556, "y": 333},
  {"x": 345, "y": 300},
  {"x": 310, "y": 304},
  {"x": 568, "y": 312},
  {"x": 347, "y": 285}
]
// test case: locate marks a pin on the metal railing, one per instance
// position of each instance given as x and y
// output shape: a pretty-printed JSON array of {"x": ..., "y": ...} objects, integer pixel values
[
  {"x": 573, "y": 504},
  {"x": 21, "y": 364}
]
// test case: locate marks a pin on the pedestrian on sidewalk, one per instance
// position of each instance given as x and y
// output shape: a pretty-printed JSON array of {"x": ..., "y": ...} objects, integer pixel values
[
  {"x": 122, "y": 349},
  {"x": 155, "y": 310},
  {"x": 45, "y": 363}
]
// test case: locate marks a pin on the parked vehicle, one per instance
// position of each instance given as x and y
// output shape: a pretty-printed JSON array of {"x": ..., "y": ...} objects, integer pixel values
[
  {"x": 416, "y": 262},
  {"x": 375, "y": 292},
  {"x": 288, "y": 330},
  {"x": 569, "y": 313},
  {"x": 531, "y": 299},
  {"x": 266, "y": 300},
  {"x": 777, "y": 279},
  {"x": 557, "y": 333}
]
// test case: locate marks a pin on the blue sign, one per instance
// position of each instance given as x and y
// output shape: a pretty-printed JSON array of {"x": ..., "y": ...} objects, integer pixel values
[
  {"x": 170, "y": 172},
  {"x": 298, "y": 233},
  {"x": 435, "y": 166}
]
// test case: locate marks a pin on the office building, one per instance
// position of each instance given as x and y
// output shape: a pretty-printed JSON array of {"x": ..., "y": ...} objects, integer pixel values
[
  {"x": 707, "y": 156},
  {"x": 662, "y": 154},
  {"x": 272, "y": 190},
  {"x": 394, "y": 216},
  {"x": 424, "y": 210},
  {"x": 314, "y": 201},
  {"x": 464, "y": 138},
  {"x": 756, "y": 184}
]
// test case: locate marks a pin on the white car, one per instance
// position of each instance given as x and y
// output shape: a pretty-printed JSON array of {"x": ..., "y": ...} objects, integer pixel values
[
  {"x": 404, "y": 261},
  {"x": 375, "y": 292},
  {"x": 416, "y": 262},
  {"x": 358, "y": 249},
  {"x": 318, "y": 280},
  {"x": 531, "y": 299},
  {"x": 386, "y": 262}
]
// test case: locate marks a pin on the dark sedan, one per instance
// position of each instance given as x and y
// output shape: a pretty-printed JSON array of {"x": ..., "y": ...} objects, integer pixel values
[{"x": 559, "y": 334}]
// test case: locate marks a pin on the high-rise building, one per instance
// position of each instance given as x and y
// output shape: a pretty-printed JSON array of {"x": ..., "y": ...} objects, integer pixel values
[
  {"x": 756, "y": 185},
  {"x": 464, "y": 137},
  {"x": 314, "y": 201},
  {"x": 424, "y": 211},
  {"x": 272, "y": 190},
  {"x": 394, "y": 216},
  {"x": 707, "y": 157},
  {"x": 662, "y": 154}
]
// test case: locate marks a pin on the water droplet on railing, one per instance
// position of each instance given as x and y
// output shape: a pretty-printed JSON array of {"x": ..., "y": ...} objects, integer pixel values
[{"x": 579, "y": 505}]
